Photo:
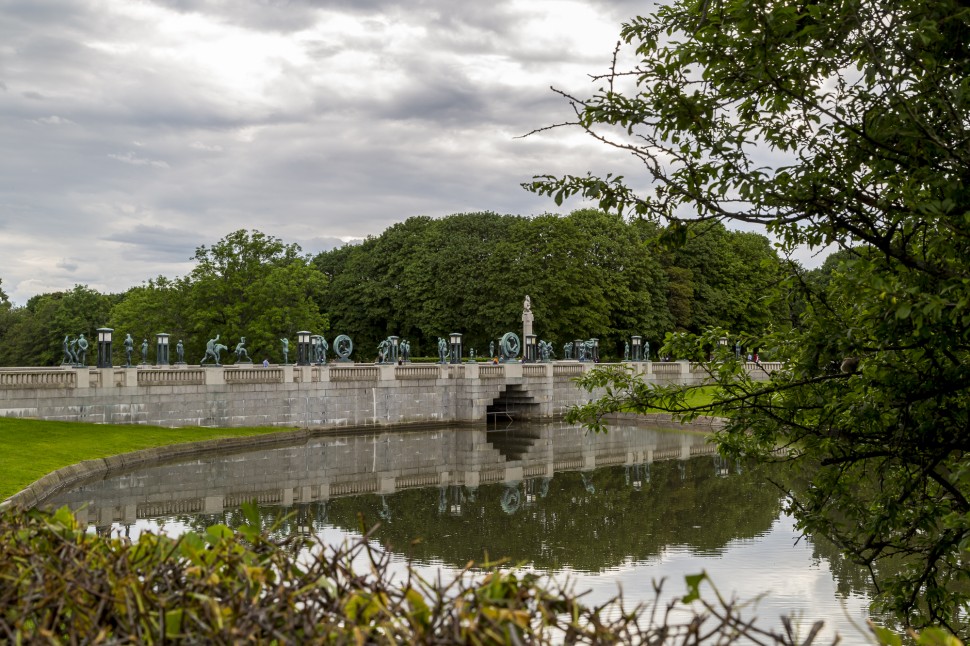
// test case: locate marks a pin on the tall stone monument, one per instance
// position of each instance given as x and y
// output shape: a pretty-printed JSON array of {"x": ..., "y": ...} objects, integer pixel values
[{"x": 527, "y": 317}]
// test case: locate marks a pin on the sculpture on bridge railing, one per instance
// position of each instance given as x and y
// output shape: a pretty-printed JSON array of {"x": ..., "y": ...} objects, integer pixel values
[
  {"x": 343, "y": 346},
  {"x": 82, "y": 353},
  {"x": 212, "y": 350},
  {"x": 322, "y": 347},
  {"x": 510, "y": 345},
  {"x": 129, "y": 348},
  {"x": 242, "y": 355},
  {"x": 383, "y": 351},
  {"x": 546, "y": 352}
]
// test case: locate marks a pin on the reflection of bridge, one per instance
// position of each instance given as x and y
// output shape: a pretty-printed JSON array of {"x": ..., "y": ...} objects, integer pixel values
[
  {"x": 333, "y": 465},
  {"x": 312, "y": 396}
]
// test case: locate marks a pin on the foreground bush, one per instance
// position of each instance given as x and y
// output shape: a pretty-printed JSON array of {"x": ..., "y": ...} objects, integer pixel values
[{"x": 60, "y": 584}]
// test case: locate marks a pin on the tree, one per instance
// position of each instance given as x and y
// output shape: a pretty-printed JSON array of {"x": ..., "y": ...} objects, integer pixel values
[
  {"x": 36, "y": 331},
  {"x": 588, "y": 274},
  {"x": 144, "y": 311},
  {"x": 251, "y": 285},
  {"x": 827, "y": 122}
]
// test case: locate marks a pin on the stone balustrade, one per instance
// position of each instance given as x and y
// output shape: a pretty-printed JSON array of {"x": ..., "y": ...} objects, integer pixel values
[
  {"x": 190, "y": 377},
  {"x": 313, "y": 396},
  {"x": 23, "y": 379}
]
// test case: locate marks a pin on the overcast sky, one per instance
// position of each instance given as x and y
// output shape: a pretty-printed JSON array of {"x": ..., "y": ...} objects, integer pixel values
[{"x": 134, "y": 131}]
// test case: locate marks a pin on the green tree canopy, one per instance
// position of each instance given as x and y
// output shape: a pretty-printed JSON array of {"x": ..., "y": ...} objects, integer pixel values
[
  {"x": 35, "y": 332},
  {"x": 827, "y": 123},
  {"x": 251, "y": 285},
  {"x": 589, "y": 274}
]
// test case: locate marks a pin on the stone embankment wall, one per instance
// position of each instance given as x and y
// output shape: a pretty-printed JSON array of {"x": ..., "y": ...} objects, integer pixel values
[{"x": 310, "y": 396}]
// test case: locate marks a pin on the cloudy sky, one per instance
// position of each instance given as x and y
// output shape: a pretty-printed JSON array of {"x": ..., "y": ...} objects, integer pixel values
[{"x": 134, "y": 131}]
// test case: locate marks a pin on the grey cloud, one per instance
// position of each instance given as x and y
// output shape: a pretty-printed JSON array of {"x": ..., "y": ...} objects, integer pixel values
[
  {"x": 314, "y": 246},
  {"x": 54, "y": 120},
  {"x": 69, "y": 266},
  {"x": 313, "y": 160},
  {"x": 160, "y": 243},
  {"x": 135, "y": 160}
]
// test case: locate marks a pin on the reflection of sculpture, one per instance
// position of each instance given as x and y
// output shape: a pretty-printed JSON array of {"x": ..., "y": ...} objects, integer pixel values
[
  {"x": 212, "y": 350},
  {"x": 180, "y": 352},
  {"x": 129, "y": 348},
  {"x": 241, "y": 354},
  {"x": 286, "y": 350},
  {"x": 82, "y": 345},
  {"x": 144, "y": 350},
  {"x": 511, "y": 499}
]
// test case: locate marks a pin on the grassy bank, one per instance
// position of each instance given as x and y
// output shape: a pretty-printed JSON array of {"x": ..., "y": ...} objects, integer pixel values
[{"x": 30, "y": 449}]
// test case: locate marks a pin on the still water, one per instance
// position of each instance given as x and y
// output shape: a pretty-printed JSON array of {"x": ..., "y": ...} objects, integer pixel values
[{"x": 610, "y": 512}]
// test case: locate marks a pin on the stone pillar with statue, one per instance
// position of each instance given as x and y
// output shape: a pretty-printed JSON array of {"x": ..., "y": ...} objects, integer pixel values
[{"x": 527, "y": 317}]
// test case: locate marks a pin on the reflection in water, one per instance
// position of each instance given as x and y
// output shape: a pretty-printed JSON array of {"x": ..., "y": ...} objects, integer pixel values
[{"x": 623, "y": 508}]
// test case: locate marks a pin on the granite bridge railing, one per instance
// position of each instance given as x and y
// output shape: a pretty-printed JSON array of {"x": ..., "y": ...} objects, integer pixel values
[{"x": 313, "y": 396}]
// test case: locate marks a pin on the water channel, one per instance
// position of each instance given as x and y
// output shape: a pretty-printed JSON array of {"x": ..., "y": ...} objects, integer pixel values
[{"x": 611, "y": 512}]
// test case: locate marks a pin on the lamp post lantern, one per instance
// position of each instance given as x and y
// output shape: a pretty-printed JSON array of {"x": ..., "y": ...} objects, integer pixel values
[
  {"x": 531, "y": 352},
  {"x": 303, "y": 348},
  {"x": 395, "y": 348},
  {"x": 636, "y": 349},
  {"x": 455, "y": 338},
  {"x": 161, "y": 349},
  {"x": 104, "y": 347}
]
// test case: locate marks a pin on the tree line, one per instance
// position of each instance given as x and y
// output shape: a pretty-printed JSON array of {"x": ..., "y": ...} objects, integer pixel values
[
  {"x": 589, "y": 274},
  {"x": 828, "y": 123}
]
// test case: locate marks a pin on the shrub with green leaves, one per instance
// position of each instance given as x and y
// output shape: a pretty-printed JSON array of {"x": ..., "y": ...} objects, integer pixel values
[{"x": 62, "y": 584}]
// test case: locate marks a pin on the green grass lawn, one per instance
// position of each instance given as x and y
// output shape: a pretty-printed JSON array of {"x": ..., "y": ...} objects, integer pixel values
[
  {"x": 30, "y": 449},
  {"x": 699, "y": 396}
]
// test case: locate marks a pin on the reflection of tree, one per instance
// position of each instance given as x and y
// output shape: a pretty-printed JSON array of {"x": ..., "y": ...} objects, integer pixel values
[{"x": 575, "y": 524}]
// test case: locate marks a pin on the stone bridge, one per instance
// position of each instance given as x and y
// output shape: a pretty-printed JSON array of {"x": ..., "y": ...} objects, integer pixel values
[{"x": 313, "y": 396}]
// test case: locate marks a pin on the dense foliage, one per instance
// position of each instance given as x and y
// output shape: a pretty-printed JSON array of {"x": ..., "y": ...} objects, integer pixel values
[
  {"x": 844, "y": 123},
  {"x": 589, "y": 274},
  {"x": 61, "y": 584},
  {"x": 247, "y": 284}
]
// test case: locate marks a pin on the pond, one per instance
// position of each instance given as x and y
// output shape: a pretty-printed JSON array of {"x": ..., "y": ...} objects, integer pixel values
[{"x": 611, "y": 512}]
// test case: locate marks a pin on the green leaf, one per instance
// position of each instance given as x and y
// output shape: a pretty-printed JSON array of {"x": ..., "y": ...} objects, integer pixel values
[{"x": 693, "y": 586}]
